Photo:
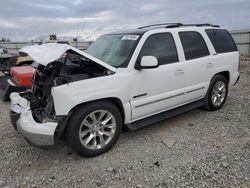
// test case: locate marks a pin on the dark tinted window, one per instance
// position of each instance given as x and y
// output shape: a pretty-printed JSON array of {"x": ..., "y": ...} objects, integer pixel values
[
  {"x": 221, "y": 40},
  {"x": 193, "y": 44},
  {"x": 161, "y": 46}
]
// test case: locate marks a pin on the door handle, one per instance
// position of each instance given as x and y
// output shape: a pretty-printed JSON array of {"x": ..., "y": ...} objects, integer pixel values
[
  {"x": 209, "y": 65},
  {"x": 179, "y": 72}
]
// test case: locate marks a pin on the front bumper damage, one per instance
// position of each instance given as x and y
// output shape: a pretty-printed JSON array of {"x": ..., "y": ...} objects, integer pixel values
[{"x": 38, "y": 134}]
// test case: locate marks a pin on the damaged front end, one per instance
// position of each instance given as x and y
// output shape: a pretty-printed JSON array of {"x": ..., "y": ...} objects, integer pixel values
[
  {"x": 65, "y": 66},
  {"x": 70, "y": 68}
]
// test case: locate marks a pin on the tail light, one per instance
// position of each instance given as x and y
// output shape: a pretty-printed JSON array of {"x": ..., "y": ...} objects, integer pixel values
[{"x": 23, "y": 75}]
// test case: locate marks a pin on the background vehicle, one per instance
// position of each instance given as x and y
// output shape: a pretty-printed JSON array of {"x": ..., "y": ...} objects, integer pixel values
[
  {"x": 9, "y": 60},
  {"x": 133, "y": 78},
  {"x": 4, "y": 58},
  {"x": 20, "y": 80},
  {"x": 3, "y": 50}
]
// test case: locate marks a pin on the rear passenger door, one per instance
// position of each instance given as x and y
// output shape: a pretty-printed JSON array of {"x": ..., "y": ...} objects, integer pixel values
[{"x": 198, "y": 65}]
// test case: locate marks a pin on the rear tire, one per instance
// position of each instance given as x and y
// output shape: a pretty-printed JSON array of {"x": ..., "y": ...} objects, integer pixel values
[
  {"x": 217, "y": 93},
  {"x": 94, "y": 128}
]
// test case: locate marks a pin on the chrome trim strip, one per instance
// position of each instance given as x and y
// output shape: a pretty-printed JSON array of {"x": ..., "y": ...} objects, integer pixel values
[
  {"x": 195, "y": 89},
  {"x": 140, "y": 95},
  {"x": 138, "y": 106},
  {"x": 159, "y": 100}
]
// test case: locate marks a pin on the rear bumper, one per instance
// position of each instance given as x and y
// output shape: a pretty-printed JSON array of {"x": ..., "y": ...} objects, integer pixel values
[
  {"x": 235, "y": 78},
  {"x": 39, "y": 134}
]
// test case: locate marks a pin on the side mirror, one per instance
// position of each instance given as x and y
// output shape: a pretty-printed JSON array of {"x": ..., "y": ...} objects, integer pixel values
[{"x": 147, "y": 62}]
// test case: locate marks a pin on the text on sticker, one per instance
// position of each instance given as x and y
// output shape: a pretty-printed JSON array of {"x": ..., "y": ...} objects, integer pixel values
[{"x": 130, "y": 37}]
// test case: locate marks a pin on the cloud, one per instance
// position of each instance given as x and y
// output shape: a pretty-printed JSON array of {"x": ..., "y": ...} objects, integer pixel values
[
  {"x": 8, "y": 25},
  {"x": 77, "y": 2},
  {"x": 52, "y": 7},
  {"x": 26, "y": 20}
]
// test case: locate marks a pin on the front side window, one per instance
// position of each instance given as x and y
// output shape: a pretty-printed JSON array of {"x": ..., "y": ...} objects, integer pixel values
[
  {"x": 193, "y": 44},
  {"x": 115, "y": 49},
  {"x": 221, "y": 40},
  {"x": 161, "y": 46}
]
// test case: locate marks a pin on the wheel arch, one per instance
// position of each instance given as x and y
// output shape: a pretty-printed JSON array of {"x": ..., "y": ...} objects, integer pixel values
[
  {"x": 208, "y": 104},
  {"x": 116, "y": 101},
  {"x": 225, "y": 73}
]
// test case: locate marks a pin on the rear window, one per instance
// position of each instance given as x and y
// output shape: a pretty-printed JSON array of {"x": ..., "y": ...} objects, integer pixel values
[
  {"x": 193, "y": 44},
  {"x": 221, "y": 40}
]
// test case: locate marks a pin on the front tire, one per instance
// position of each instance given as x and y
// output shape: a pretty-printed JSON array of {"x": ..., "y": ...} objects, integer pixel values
[
  {"x": 94, "y": 128},
  {"x": 217, "y": 93}
]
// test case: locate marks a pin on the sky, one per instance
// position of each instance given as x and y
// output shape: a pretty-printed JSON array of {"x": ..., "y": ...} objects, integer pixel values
[{"x": 25, "y": 20}]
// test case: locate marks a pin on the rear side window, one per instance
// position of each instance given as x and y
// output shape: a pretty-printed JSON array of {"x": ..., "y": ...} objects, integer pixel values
[
  {"x": 193, "y": 44},
  {"x": 221, "y": 40},
  {"x": 162, "y": 46}
]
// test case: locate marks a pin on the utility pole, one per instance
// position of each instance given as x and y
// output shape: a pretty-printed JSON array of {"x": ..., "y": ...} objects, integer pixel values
[
  {"x": 249, "y": 42},
  {"x": 76, "y": 35}
]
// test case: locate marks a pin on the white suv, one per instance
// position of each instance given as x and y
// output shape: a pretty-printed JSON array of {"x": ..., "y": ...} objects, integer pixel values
[{"x": 133, "y": 78}]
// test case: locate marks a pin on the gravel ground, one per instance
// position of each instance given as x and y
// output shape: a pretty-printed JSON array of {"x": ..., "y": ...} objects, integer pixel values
[{"x": 195, "y": 149}]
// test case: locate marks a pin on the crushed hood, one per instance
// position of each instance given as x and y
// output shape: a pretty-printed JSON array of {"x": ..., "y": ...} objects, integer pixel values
[{"x": 47, "y": 53}]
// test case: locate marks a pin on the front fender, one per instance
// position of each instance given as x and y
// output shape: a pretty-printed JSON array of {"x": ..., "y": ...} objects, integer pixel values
[{"x": 70, "y": 95}]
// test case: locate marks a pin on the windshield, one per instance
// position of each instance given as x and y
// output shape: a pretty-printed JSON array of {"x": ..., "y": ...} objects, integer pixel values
[{"x": 115, "y": 50}]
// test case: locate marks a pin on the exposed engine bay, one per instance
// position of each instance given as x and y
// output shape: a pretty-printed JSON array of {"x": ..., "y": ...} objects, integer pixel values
[{"x": 71, "y": 67}]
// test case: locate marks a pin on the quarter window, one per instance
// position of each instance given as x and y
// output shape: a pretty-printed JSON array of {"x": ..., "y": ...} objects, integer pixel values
[
  {"x": 193, "y": 44},
  {"x": 161, "y": 46},
  {"x": 221, "y": 40}
]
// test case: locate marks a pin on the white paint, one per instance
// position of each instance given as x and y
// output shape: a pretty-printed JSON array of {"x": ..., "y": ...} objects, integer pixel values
[
  {"x": 165, "y": 87},
  {"x": 149, "y": 61},
  {"x": 160, "y": 84},
  {"x": 47, "y": 53}
]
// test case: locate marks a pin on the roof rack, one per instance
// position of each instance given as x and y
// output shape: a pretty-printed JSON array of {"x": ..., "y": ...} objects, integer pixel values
[
  {"x": 201, "y": 25},
  {"x": 174, "y": 25},
  {"x": 161, "y": 24}
]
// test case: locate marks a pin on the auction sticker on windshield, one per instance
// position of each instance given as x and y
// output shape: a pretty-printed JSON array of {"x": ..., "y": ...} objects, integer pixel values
[{"x": 130, "y": 37}]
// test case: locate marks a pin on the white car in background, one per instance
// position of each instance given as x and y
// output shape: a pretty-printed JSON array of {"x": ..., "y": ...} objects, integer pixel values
[
  {"x": 3, "y": 50},
  {"x": 133, "y": 78}
]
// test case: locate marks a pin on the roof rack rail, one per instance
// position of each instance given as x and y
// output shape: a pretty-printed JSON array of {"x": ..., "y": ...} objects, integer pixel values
[
  {"x": 201, "y": 25},
  {"x": 161, "y": 24},
  {"x": 174, "y": 25}
]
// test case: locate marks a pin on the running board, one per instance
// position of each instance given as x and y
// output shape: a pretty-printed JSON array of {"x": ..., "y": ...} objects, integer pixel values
[{"x": 164, "y": 115}]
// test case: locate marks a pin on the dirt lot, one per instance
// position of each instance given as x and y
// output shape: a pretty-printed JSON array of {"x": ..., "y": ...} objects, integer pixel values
[{"x": 195, "y": 149}]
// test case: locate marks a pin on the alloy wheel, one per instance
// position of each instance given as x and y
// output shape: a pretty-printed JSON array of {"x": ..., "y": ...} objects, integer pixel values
[
  {"x": 97, "y": 129},
  {"x": 218, "y": 93}
]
